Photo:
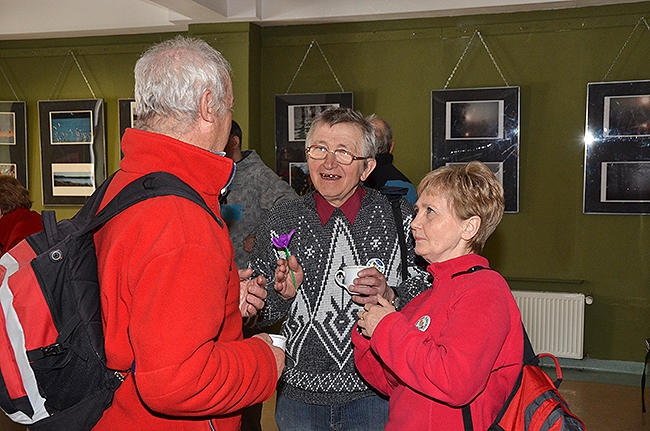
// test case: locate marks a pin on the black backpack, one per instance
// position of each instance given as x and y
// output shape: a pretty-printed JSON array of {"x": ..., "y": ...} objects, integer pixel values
[{"x": 52, "y": 360}]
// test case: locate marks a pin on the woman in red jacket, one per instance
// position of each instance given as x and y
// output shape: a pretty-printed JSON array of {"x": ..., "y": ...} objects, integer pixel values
[
  {"x": 460, "y": 342},
  {"x": 17, "y": 221}
]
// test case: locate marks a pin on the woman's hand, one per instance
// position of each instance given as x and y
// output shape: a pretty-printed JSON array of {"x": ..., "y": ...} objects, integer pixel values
[
  {"x": 372, "y": 314},
  {"x": 284, "y": 279},
  {"x": 370, "y": 285}
]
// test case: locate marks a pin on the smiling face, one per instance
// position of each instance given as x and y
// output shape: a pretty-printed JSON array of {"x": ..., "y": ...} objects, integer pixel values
[
  {"x": 334, "y": 181},
  {"x": 439, "y": 234}
]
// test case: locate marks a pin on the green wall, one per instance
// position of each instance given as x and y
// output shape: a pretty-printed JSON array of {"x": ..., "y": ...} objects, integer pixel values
[{"x": 392, "y": 67}]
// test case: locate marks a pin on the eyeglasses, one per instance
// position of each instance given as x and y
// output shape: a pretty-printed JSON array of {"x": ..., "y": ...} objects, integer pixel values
[{"x": 344, "y": 157}]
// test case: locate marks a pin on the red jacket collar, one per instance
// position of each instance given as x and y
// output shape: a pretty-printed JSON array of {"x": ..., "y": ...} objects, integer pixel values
[{"x": 144, "y": 152}]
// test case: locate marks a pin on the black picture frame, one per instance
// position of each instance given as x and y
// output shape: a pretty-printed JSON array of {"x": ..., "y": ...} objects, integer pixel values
[
  {"x": 617, "y": 148},
  {"x": 13, "y": 141},
  {"x": 126, "y": 111},
  {"x": 479, "y": 124},
  {"x": 73, "y": 149},
  {"x": 293, "y": 114}
]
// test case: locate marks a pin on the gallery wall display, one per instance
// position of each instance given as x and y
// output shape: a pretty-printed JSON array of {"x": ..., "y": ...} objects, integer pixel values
[
  {"x": 293, "y": 115},
  {"x": 617, "y": 148},
  {"x": 479, "y": 124},
  {"x": 13, "y": 140},
  {"x": 73, "y": 154}
]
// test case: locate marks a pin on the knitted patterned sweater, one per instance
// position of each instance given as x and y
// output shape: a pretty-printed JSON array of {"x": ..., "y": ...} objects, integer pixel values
[{"x": 318, "y": 321}]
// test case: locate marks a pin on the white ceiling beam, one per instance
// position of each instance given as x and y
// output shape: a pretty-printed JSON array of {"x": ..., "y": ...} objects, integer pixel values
[{"x": 26, "y": 19}]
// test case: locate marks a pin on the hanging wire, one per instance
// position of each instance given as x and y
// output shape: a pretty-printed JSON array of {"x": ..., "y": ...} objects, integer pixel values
[
  {"x": 83, "y": 75},
  {"x": 7, "y": 79},
  {"x": 303, "y": 61},
  {"x": 642, "y": 19},
  {"x": 462, "y": 56},
  {"x": 80, "y": 70}
]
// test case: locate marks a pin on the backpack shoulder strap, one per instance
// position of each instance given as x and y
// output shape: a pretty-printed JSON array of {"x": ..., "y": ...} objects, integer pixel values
[
  {"x": 394, "y": 195},
  {"x": 530, "y": 358},
  {"x": 148, "y": 186}
]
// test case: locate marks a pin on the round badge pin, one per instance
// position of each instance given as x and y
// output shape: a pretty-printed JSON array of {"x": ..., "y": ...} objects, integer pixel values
[
  {"x": 423, "y": 323},
  {"x": 375, "y": 262}
]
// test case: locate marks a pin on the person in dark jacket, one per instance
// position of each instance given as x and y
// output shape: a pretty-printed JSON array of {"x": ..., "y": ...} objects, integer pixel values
[{"x": 385, "y": 173}]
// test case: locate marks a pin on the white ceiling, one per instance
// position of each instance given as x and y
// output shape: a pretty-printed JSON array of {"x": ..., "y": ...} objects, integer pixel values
[{"x": 31, "y": 19}]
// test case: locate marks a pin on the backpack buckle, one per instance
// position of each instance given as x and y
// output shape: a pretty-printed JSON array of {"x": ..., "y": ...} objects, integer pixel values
[{"x": 52, "y": 350}]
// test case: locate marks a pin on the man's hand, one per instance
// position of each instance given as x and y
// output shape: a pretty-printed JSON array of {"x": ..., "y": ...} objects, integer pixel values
[
  {"x": 284, "y": 278},
  {"x": 277, "y": 352},
  {"x": 371, "y": 284},
  {"x": 252, "y": 293}
]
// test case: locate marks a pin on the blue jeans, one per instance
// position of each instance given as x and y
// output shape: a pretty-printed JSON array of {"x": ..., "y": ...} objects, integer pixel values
[{"x": 366, "y": 414}]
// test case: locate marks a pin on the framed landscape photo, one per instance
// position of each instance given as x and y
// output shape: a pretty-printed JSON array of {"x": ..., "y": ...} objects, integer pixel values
[
  {"x": 13, "y": 140},
  {"x": 617, "y": 148},
  {"x": 479, "y": 124},
  {"x": 293, "y": 115},
  {"x": 73, "y": 154}
]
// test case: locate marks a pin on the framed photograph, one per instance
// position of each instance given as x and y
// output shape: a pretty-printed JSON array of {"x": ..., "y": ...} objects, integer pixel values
[
  {"x": 13, "y": 140},
  {"x": 8, "y": 169},
  {"x": 479, "y": 124},
  {"x": 293, "y": 115},
  {"x": 474, "y": 119},
  {"x": 73, "y": 154},
  {"x": 71, "y": 127},
  {"x": 617, "y": 148},
  {"x": 495, "y": 167},
  {"x": 126, "y": 109}
]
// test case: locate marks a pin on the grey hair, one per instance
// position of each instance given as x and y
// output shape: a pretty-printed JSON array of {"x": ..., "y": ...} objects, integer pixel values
[
  {"x": 383, "y": 134},
  {"x": 171, "y": 77},
  {"x": 337, "y": 115}
]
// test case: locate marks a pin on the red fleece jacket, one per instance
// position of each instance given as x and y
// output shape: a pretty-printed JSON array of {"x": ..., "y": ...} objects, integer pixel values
[
  {"x": 459, "y": 342},
  {"x": 170, "y": 300},
  {"x": 18, "y": 225}
]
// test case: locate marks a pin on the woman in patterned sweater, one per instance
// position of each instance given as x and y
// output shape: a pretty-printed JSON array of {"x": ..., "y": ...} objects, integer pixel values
[{"x": 340, "y": 224}]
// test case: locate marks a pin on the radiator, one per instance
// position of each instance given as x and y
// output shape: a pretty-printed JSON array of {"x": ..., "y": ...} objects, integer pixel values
[{"x": 554, "y": 321}]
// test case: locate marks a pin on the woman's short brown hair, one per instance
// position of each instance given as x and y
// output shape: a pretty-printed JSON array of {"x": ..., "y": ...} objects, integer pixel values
[
  {"x": 471, "y": 190},
  {"x": 12, "y": 194}
]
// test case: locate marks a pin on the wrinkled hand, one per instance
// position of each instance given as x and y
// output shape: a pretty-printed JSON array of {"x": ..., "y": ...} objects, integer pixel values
[
  {"x": 252, "y": 292},
  {"x": 278, "y": 353},
  {"x": 248, "y": 243},
  {"x": 372, "y": 314},
  {"x": 371, "y": 284},
  {"x": 283, "y": 279}
]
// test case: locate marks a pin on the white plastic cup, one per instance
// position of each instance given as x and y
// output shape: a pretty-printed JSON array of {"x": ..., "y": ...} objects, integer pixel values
[
  {"x": 279, "y": 341},
  {"x": 345, "y": 276}
]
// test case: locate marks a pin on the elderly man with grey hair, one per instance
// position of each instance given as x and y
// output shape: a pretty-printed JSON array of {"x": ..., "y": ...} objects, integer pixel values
[
  {"x": 171, "y": 300},
  {"x": 342, "y": 223}
]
